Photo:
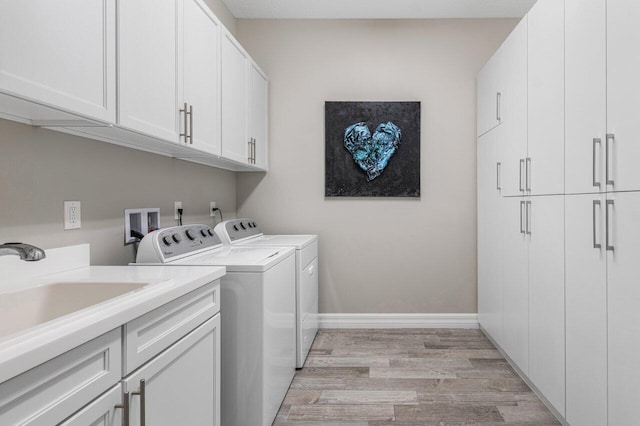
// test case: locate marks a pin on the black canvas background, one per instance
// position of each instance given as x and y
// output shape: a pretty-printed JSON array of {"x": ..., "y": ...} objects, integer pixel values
[{"x": 344, "y": 178}]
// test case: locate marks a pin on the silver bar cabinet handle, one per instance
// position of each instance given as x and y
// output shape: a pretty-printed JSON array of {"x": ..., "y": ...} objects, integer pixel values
[
  {"x": 528, "y": 174},
  {"x": 593, "y": 167},
  {"x": 125, "y": 409},
  {"x": 498, "y": 166},
  {"x": 250, "y": 158},
  {"x": 528, "y": 212},
  {"x": 521, "y": 208},
  {"x": 183, "y": 110},
  {"x": 253, "y": 152},
  {"x": 142, "y": 395},
  {"x": 609, "y": 246},
  {"x": 596, "y": 245},
  {"x": 498, "y": 102},
  {"x": 610, "y": 137},
  {"x": 520, "y": 175},
  {"x": 191, "y": 124}
]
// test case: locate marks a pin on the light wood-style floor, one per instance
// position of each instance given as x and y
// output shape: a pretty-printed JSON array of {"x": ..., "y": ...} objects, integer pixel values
[{"x": 408, "y": 377}]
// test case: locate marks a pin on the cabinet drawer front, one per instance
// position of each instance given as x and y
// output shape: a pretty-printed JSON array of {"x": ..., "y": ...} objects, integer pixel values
[
  {"x": 50, "y": 392},
  {"x": 150, "y": 334},
  {"x": 101, "y": 412}
]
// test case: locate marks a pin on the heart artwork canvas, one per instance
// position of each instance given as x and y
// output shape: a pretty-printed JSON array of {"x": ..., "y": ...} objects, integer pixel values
[{"x": 372, "y": 149}]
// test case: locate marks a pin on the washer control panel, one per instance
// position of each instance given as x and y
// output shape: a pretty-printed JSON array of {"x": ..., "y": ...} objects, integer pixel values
[
  {"x": 238, "y": 229},
  {"x": 180, "y": 240}
]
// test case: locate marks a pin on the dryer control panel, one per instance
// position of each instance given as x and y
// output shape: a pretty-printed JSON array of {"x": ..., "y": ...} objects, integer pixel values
[
  {"x": 235, "y": 230},
  {"x": 166, "y": 244}
]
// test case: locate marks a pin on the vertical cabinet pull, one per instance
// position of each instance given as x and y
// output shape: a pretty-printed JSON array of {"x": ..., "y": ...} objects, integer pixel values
[
  {"x": 498, "y": 106},
  {"x": 498, "y": 167},
  {"x": 527, "y": 174},
  {"x": 254, "y": 151},
  {"x": 125, "y": 409},
  {"x": 610, "y": 137},
  {"x": 609, "y": 246},
  {"x": 596, "y": 245},
  {"x": 593, "y": 166},
  {"x": 521, "y": 215},
  {"x": 528, "y": 220},
  {"x": 184, "y": 113},
  {"x": 520, "y": 176},
  {"x": 190, "y": 124},
  {"x": 250, "y": 157},
  {"x": 142, "y": 395}
]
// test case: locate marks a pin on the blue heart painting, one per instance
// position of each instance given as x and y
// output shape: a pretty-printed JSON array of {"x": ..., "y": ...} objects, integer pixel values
[{"x": 372, "y": 152}]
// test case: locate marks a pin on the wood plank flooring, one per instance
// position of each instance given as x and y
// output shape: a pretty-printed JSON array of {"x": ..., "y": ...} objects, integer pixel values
[{"x": 408, "y": 377}]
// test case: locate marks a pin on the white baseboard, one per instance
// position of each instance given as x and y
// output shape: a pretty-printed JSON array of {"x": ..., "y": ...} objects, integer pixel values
[{"x": 398, "y": 320}]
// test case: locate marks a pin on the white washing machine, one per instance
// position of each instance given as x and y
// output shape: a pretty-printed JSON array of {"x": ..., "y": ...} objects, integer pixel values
[
  {"x": 257, "y": 316},
  {"x": 246, "y": 233}
]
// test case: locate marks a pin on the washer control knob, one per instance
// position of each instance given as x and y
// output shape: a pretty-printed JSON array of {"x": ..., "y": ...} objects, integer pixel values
[
  {"x": 176, "y": 237},
  {"x": 254, "y": 225},
  {"x": 242, "y": 225},
  {"x": 210, "y": 232},
  {"x": 203, "y": 232},
  {"x": 167, "y": 240},
  {"x": 235, "y": 227},
  {"x": 190, "y": 234}
]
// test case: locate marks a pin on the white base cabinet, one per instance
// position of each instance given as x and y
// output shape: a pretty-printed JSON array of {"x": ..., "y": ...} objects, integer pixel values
[{"x": 106, "y": 410}]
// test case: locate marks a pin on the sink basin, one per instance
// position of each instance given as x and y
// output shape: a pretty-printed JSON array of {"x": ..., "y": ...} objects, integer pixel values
[{"x": 21, "y": 310}]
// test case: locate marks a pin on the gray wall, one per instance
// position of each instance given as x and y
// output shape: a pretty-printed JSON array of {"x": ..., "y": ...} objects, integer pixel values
[
  {"x": 39, "y": 169},
  {"x": 377, "y": 255}
]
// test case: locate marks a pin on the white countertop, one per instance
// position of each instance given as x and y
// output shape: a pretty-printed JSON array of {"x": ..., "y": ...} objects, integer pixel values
[{"x": 22, "y": 351}]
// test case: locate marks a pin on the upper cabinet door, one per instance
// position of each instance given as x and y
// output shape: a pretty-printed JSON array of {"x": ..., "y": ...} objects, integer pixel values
[
  {"x": 488, "y": 97},
  {"x": 149, "y": 86},
  {"x": 63, "y": 55},
  {"x": 202, "y": 76},
  {"x": 545, "y": 165},
  {"x": 512, "y": 139},
  {"x": 258, "y": 114},
  {"x": 235, "y": 142},
  {"x": 622, "y": 147},
  {"x": 585, "y": 95}
]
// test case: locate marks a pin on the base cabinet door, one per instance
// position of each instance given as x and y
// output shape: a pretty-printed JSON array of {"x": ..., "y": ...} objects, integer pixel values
[
  {"x": 622, "y": 242},
  {"x": 515, "y": 282},
  {"x": 545, "y": 228},
  {"x": 489, "y": 237},
  {"x": 623, "y": 96},
  {"x": 182, "y": 384},
  {"x": 107, "y": 410},
  {"x": 586, "y": 309}
]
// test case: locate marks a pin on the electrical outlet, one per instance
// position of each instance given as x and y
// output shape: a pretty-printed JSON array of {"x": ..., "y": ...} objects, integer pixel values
[
  {"x": 212, "y": 205},
  {"x": 72, "y": 215},
  {"x": 177, "y": 205}
]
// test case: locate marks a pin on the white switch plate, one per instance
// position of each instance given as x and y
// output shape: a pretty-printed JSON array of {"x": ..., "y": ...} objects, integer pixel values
[
  {"x": 72, "y": 215},
  {"x": 177, "y": 205},
  {"x": 212, "y": 205}
]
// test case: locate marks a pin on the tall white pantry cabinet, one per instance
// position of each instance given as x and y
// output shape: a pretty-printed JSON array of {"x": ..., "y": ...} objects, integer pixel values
[{"x": 559, "y": 222}]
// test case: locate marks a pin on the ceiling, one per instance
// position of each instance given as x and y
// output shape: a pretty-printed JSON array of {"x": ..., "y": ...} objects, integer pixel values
[{"x": 378, "y": 9}]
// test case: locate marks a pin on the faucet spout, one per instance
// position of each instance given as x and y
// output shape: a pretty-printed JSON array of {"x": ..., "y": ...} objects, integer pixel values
[{"x": 26, "y": 252}]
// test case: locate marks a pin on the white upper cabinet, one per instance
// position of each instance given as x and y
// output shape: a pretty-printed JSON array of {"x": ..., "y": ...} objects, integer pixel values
[
  {"x": 488, "y": 97},
  {"x": 202, "y": 76},
  {"x": 149, "y": 74},
  {"x": 512, "y": 141},
  {"x": 235, "y": 97},
  {"x": 545, "y": 163},
  {"x": 258, "y": 115},
  {"x": 622, "y": 147},
  {"x": 59, "y": 55},
  {"x": 585, "y": 95}
]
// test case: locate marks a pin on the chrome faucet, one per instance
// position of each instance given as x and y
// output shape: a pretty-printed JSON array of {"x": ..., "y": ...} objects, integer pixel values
[{"x": 26, "y": 252}]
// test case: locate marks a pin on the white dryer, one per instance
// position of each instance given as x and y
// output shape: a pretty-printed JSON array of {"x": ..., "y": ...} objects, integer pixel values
[
  {"x": 246, "y": 233},
  {"x": 257, "y": 316}
]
